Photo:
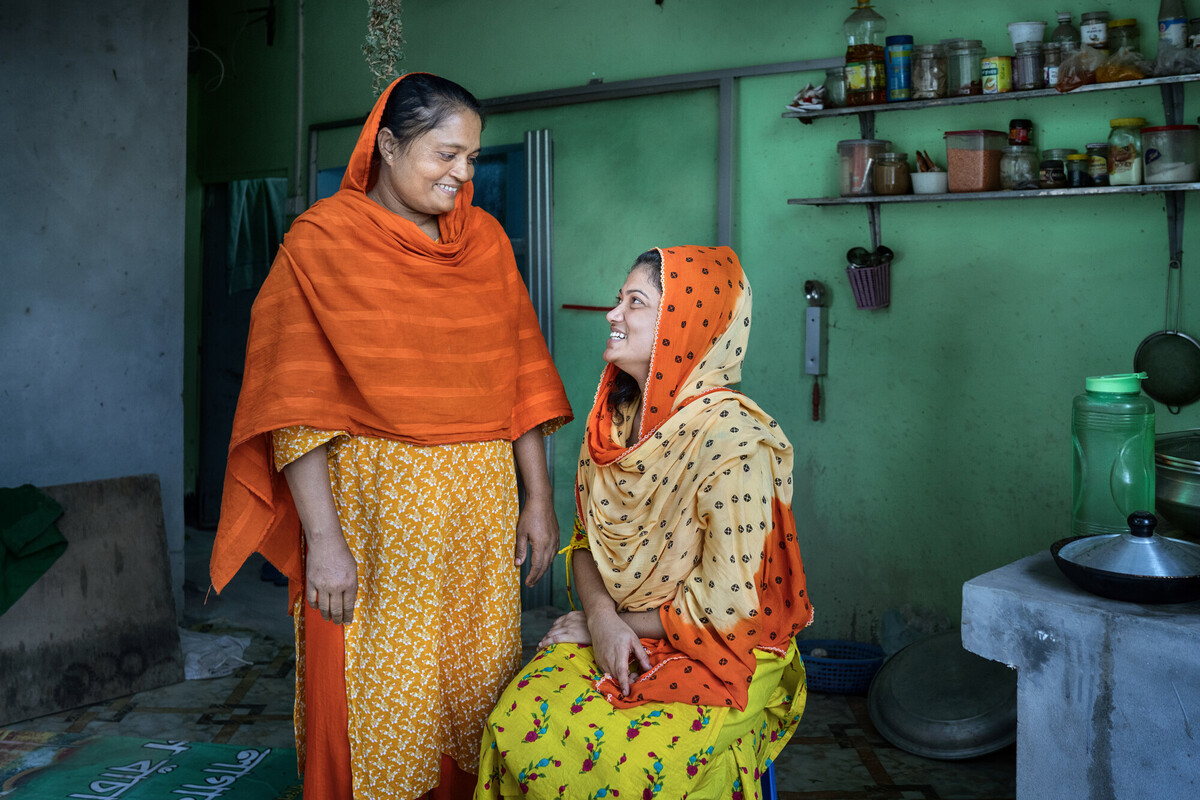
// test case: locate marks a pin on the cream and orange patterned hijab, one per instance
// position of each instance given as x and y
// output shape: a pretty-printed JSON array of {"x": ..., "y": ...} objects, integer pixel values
[{"x": 694, "y": 519}]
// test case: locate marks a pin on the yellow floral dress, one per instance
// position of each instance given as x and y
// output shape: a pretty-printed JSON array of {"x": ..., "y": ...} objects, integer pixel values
[{"x": 436, "y": 631}]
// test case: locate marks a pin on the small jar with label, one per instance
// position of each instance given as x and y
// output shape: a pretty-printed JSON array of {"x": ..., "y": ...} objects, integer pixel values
[
  {"x": 1124, "y": 33},
  {"x": 1125, "y": 151},
  {"x": 1077, "y": 171},
  {"x": 928, "y": 72},
  {"x": 964, "y": 70},
  {"x": 897, "y": 59},
  {"x": 1019, "y": 167},
  {"x": 1052, "y": 175},
  {"x": 1020, "y": 131},
  {"x": 1052, "y": 56},
  {"x": 1028, "y": 67},
  {"x": 835, "y": 87},
  {"x": 890, "y": 175},
  {"x": 1097, "y": 153},
  {"x": 1093, "y": 29}
]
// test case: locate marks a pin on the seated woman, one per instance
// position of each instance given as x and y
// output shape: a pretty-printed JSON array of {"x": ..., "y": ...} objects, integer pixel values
[{"x": 680, "y": 674}]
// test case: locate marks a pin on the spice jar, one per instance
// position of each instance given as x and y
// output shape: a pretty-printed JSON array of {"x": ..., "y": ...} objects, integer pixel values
[
  {"x": 1053, "y": 175},
  {"x": 898, "y": 63},
  {"x": 891, "y": 174},
  {"x": 1097, "y": 153},
  {"x": 1052, "y": 56},
  {"x": 1019, "y": 167},
  {"x": 835, "y": 87},
  {"x": 928, "y": 72},
  {"x": 1124, "y": 33},
  {"x": 1077, "y": 171},
  {"x": 1020, "y": 131},
  {"x": 1125, "y": 151},
  {"x": 1093, "y": 29},
  {"x": 964, "y": 72},
  {"x": 1028, "y": 67}
]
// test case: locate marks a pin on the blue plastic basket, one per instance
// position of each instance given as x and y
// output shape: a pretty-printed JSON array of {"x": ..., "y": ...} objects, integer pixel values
[{"x": 846, "y": 668}]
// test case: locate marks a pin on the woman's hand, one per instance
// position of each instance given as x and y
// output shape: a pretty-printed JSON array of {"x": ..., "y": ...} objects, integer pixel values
[
  {"x": 570, "y": 627},
  {"x": 332, "y": 579},
  {"x": 615, "y": 645},
  {"x": 537, "y": 529}
]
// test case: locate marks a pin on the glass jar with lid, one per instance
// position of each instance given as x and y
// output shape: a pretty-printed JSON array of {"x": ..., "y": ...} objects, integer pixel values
[
  {"x": 1124, "y": 33},
  {"x": 1093, "y": 29},
  {"x": 1098, "y": 163},
  {"x": 1052, "y": 56},
  {"x": 835, "y": 87},
  {"x": 1028, "y": 67},
  {"x": 928, "y": 72},
  {"x": 964, "y": 71},
  {"x": 1077, "y": 171},
  {"x": 1019, "y": 167},
  {"x": 891, "y": 174},
  {"x": 1125, "y": 151}
]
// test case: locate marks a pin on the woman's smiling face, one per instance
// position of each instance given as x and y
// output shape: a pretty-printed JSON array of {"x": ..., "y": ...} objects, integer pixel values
[
  {"x": 423, "y": 180},
  {"x": 632, "y": 324}
]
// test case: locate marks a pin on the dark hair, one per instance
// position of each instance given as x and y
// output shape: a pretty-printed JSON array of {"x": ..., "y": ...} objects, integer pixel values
[
  {"x": 625, "y": 386},
  {"x": 421, "y": 102}
]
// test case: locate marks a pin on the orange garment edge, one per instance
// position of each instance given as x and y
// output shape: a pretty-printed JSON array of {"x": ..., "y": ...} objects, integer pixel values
[{"x": 365, "y": 324}]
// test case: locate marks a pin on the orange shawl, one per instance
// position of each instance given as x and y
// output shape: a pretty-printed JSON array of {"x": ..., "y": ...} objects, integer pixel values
[
  {"x": 366, "y": 325},
  {"x": 695, "y": 518}
]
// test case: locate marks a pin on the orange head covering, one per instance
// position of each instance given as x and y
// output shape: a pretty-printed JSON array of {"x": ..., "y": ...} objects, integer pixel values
[
  {"x": 366, "y": 325},
  {"x": 695, "y": 518}
]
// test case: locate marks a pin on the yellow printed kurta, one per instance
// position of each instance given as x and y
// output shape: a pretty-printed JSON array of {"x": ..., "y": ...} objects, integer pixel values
[{"x": 436, "y": 631}]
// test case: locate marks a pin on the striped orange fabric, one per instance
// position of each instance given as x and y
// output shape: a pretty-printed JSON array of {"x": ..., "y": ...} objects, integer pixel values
[{"x": 366, "y": 325}]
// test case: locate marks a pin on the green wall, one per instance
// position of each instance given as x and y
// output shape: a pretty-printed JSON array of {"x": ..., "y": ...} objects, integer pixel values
[{"x": 944, "y": 447}]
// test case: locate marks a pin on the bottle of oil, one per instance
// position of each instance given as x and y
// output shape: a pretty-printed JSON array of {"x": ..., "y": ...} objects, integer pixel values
[
  {"x": 1112, "y": 434},
  {"x": 866, "y": 73}
]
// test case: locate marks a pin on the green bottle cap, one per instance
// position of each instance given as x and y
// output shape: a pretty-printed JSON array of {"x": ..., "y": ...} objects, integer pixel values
[{"x": 1129, "y": 383}]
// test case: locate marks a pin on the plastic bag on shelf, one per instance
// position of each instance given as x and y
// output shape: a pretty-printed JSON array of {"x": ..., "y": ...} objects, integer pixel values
[
  {"x": 1078, "y": 69},
  {"x": 1126, "y": 64},
  {"x": 1172, "y": 60}
]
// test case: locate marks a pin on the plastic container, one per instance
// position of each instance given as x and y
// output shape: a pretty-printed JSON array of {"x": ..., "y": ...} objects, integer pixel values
[
  {"x": 1125, "y": 151},
  {"x": 898, "y": 54},
  {"x": 1020, "y": 131},
  {"x": 835, "y": 87},
  {"x": 964, "y": 73},
  {"x": 996, "y": 74},
  {"x": 890, "y": 174},
  {"x": 1077, "y": 171},
  {"x": 1066, "y": 31},
  {"x": 1058, "y": 153},
  {"x": 1052, "y": 174},
  {"x": 1170, "y": 154},
  {"x": 1112, "y": 468},
  {"x": 866, "y": 78},
  {"x": 1029, "y": 31},
  {"x": 1029, "y": 71},
  {"x": 872, "y": 286},
  {"x": 1051, "y": 58},
  {"x": 1019, "y": 167},
  {"x": 1172, "y": 23},
  {"x": 1093, "y": 29},
  {"x": 856, "y": 160},
  {"x": 1124, "y": 33},
  {"x": 973, "y": 160},
  {"x": 837, "y": 666},
  {"x": 1098, "y": 163},
  {"x": 928, "y": 72}
]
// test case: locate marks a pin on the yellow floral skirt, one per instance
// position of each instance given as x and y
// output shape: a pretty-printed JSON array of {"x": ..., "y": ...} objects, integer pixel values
[
  {"x": 436, "y": 631},
  {"x": 553, "y": 735}
]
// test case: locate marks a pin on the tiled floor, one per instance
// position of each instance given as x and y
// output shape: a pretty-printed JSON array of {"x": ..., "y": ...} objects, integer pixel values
[{"x": 835, "y": 755}]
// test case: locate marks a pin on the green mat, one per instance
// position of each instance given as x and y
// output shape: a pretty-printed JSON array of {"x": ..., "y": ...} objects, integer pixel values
[{"x": 39, "y": 766}]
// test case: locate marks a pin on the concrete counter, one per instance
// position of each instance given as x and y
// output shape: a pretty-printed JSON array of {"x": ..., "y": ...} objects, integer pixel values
[{"x": 1108, "y": 693}]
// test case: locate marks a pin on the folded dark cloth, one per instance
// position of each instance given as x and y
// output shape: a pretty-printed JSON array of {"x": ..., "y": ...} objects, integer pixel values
[{"x": 30, "y": 542}]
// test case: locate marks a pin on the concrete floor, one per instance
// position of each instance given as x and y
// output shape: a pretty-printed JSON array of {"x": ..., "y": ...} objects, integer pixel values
[{"x": 836, "y": 753}]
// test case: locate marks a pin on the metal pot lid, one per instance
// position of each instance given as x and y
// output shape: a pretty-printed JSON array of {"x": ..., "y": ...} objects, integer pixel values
[
  {"x": 1139, "y": 552},
  {"x": 937, "y": 700}
]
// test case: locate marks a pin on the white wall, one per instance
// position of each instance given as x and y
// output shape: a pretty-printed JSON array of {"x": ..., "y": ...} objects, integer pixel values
[{"x": 92, "y": 146}]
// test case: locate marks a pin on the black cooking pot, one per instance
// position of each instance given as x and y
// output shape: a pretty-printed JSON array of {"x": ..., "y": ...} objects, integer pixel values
[{"x": 1137, "y": 567}]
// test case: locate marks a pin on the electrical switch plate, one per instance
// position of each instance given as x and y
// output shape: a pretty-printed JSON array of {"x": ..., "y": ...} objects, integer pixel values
[{"x": 814, "y": 340}]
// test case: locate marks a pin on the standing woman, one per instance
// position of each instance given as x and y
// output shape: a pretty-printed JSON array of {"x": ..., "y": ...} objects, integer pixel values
[
  {"x": 679, "y": 677},
  {"x": 394, "y": 368}
]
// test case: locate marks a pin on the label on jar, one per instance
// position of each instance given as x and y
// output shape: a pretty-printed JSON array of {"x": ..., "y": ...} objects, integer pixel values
[
  {"x": 1124, "y": 165},
  {"x": 1095, "y": 33},
  {"x": 997, "y": 74},
  {"x": 1173, "y": 31},
  {"x": 1052, "y": 76},
  {"x": 898, "y": 59}
]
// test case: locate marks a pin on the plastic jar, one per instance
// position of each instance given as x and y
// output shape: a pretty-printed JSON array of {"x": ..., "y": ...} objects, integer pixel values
[
  {"x": 1124, "y": 33},
  {"x": 897, "y": 59},
  {"x": 1077, "y": 171},
  {"x": 1093, "y": 29},
  {"x": 1020, "y": 131},
  {"x": 1112, "y": 438},
  {"x": 1019, "y": 167},
  {"x": 1029, "y": 67},
  {"x": 1170, "y": 154},
  {"x": 996, "y": 74},
  {"x": 835, "y": 87},
  {"x": 973, "y": 160},
  {"x": 928, "y": 72},
  {"x": 964, "y": 72},
  {"x": 1051, "y": 58},
  {"x": 857, "y": 157},
  {"x": 891, "y": 174},
  {"x": 1052, "y": 174},
  {"x": 1097, "y": 153},
  {"x": 1058, "y": 153},
  {"x": 1125, "y": 151}
]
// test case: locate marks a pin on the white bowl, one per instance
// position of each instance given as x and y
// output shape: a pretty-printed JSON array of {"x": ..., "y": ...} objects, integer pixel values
[
  {"x": 1029, "y": 31},
  {"x": 929, "y": 182}
]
